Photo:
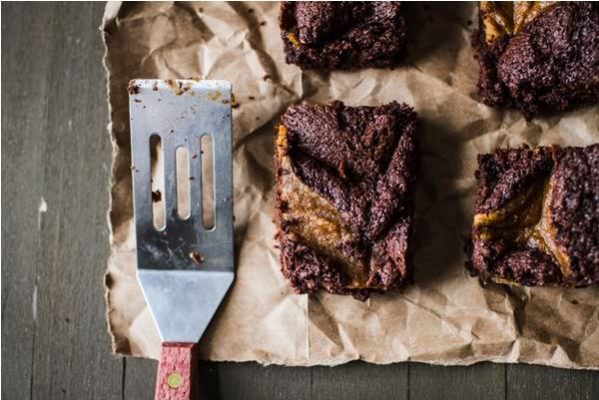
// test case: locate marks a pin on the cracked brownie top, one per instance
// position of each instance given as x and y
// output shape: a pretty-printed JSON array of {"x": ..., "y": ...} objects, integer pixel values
[
  {"x": 538, "y": 56},
  {"x": 537, "y": 216},
  {"x": 344, "y": 191},
  {"x": 342, "y": 35}
]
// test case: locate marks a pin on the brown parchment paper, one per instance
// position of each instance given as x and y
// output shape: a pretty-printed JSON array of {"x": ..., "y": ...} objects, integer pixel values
[{"x": 446, "y": 317}]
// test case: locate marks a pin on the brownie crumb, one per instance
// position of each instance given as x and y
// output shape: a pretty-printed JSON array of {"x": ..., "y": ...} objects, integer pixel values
[
  {"x": 133, "y": 88},
  {"x": 197, "y": 257},
  {"x": 234, "y": 102}
]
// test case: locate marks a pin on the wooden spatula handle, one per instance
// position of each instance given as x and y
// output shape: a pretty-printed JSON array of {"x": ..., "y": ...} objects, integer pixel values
[{"x": 176, "y": 372}]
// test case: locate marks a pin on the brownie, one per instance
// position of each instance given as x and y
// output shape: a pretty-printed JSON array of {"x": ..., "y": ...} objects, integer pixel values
[
  {"x": 342, "y": 35},
  {"x": 344, "y": 185},
  {"x": 537, "y": 56},
  {"x": 536, "y": 217}
]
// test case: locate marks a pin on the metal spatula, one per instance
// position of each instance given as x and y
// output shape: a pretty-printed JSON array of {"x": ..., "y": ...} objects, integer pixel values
[{"x": 184, "y": 269}]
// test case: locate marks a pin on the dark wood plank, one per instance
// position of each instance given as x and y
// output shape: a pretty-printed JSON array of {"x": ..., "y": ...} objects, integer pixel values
[
  {"x": 71, "y": 328},
  {"x": 139, "y": 378},
  {"x": 23, "y": 124},
  {"x": 530, "y": 382},
  {"x": 485, "y": 380},
  {"x": 358, "y": 380},
  {"x": 253, "y": 381},
  {"x": 54, "y": 117}
]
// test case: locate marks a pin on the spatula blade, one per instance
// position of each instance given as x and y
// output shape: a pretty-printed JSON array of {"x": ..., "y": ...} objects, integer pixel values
[
  {"x": 183, "y": 302},
  {"x": 184, "y": 269}
]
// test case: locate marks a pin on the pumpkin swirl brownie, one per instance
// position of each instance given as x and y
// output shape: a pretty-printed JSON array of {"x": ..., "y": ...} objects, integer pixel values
[
  {"x": 342, "y": 35},
  {"x": 344, "y": 183},
  {"x": 536, "y": 217},
  {"x": 538, "y": 56}
]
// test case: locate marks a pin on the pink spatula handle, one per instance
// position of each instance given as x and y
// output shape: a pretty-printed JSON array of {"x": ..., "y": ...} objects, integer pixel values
[{"x": 176, "y": 372}]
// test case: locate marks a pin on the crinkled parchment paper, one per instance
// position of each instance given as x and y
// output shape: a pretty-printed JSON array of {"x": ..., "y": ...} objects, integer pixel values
[{"x": 446, "y": 317}]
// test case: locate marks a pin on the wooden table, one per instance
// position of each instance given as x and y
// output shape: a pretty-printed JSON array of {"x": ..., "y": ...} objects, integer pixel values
[{"x": 56, "y": 154}]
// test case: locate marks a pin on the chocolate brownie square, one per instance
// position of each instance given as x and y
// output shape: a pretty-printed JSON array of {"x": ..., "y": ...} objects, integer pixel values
[
  {"x": 342, "y": 35},
  {"x": 536, "y": 217},
  {"x": 538, "y": 56},
  {"x": 344, "y": 185}
]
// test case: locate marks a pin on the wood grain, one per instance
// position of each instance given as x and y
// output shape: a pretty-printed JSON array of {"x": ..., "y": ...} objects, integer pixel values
[
  {"x": 359, "y": 380},
  {"x": 54, "y": 340},
  {"x": 22, "y": 187},
  {"x": 54, "y": 146},
  {"x": 480, "y": 381},
  {"x": 532, "y": 382}
]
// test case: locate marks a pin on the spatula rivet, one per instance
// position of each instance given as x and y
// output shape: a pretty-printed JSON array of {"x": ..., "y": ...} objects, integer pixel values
[{"x": 174, "y": 380}]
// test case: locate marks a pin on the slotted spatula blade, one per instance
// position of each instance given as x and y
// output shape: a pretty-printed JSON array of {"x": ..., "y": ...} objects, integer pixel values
[{"x": 184, "y": 269}]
